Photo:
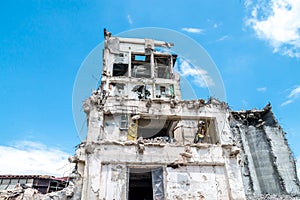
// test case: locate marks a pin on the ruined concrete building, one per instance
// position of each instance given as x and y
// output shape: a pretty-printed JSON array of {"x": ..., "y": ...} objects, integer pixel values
[{"x": 145, "y": 142}]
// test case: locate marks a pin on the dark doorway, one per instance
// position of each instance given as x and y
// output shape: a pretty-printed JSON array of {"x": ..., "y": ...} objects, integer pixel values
[{"x": 140, "y": 184}]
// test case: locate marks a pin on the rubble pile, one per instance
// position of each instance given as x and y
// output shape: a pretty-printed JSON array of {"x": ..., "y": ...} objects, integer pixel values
[{"x": 23, "y": 193}]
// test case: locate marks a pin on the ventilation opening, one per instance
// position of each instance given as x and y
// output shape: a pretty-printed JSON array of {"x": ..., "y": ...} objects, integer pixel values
[{"x": 140, "y": 185}]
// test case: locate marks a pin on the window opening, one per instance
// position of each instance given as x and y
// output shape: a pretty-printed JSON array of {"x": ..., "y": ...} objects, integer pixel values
[
  {"x": 142, "y": 91},
  {"x": 163, "y": 72},
  {"x": 120, "y": 69},
  {"x": 163, "y": 67},
  {"x": 141, "y": 70},
  {"x": 121, "y": 58},
  {"x": 124, "y": 122},
  {"x": 153, "y": 128},
  {"x": 139, "y": 58},
  {"x": 140, "y": 65},
  {"x": 206, "y": 132},
  {"x": 116, "y": 89},
  {"x": 164, "y": 91}
]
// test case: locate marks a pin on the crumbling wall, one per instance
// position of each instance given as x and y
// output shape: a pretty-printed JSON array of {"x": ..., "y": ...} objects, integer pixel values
[
  {"x": 113, "y": 182},
  {"x": 197, "y": 182},
  {"x": 263, "y": 161},
  {"x": 104, "y": 112},
  {"x": 267, "y": 164},
  {"x": 192, "y": 171},
  {"x": 284, "y": 160}
]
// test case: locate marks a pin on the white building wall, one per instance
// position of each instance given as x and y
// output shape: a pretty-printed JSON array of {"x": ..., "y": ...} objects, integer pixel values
[{"x": 197, "y": 182}]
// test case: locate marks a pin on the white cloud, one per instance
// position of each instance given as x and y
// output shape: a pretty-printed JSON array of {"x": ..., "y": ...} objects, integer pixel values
[
  {"x": 193, "y": 30},
  {"x": 294, "y": 94},
  {"x": 199, "y": 76},
  {"x": 261, "y": 89},
  {"x": 224, "y": 37},
  {"x": 129, "y": 19},
  {"x": 31, "y": 158},
  {"x": 278, "y": 22},
  {"x": 287, "y": 102}
]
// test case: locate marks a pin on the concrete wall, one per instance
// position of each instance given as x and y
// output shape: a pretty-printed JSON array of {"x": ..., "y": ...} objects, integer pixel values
[
  {"x": 101, "y": 118},
  {"x": 267, "y": 164},
  {"x": 197, "y": 182},
  {"x": 209, "y": 172}
]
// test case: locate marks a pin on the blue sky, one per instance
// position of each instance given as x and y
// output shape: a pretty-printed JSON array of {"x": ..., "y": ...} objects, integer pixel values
[{"x": 254, "y": 44}]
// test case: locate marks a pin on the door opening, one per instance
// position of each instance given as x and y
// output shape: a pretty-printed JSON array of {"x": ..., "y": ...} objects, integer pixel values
[{"x": 140, "y": 184}]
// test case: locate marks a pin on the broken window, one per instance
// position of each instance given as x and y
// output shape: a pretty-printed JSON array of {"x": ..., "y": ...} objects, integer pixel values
[
  {"x": 140, "y": 66},
  {"x": 142, "y": 91},
  {"x": 201, "y": 130},
  {"x": 162, "y": 64},
  {"x": 164, "y": 91},
  {"x": 163, "y": 72},
  {"x": 153, "y": 128},
  {"x": 146, "y": 184},
  {"x": 56, "y": 186},
  {"x": 120, "y": 66},
  {"x": 206, "y": 132},
  {"x": 124, "y": 121},
  {"x": 116, "y": 89},
  {"x": 141, "y": 70},
  {"x": 120, "y": 69}
]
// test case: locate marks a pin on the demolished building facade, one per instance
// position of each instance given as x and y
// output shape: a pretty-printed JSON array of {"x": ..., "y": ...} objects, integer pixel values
[
  {"x": 145, "y": 142},
  {"x": 266, "y": 161}
]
